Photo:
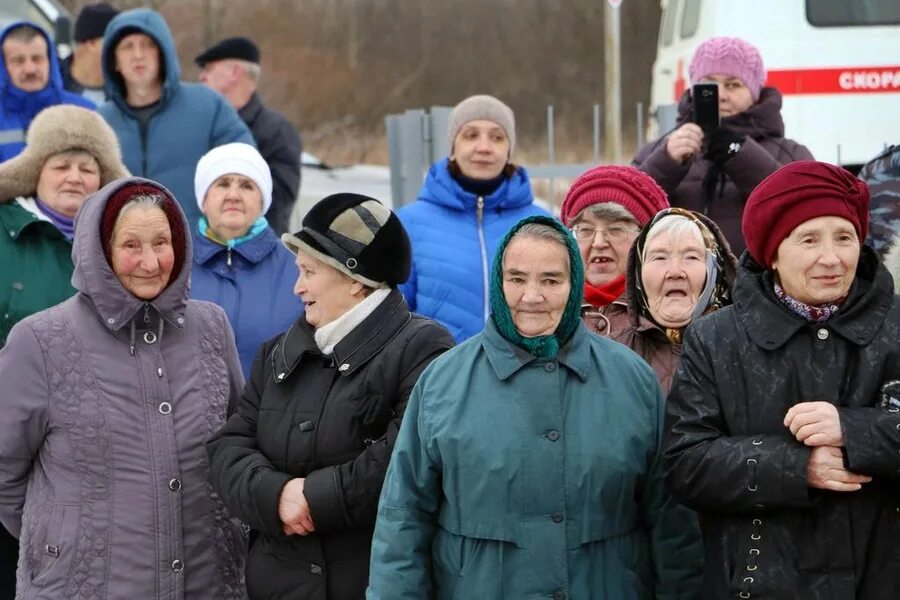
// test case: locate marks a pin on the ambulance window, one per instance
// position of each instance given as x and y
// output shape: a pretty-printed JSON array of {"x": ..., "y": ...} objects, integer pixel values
[
  {"x": 690, "y": 18},
  {"x": 842, "y": 13},
  {"x": 667, "y": 31}
]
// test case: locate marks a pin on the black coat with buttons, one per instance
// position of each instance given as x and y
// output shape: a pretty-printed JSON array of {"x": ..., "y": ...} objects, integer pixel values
[
  {"x": 331, "y": 420},
  {"x": 767, "y": 533}
]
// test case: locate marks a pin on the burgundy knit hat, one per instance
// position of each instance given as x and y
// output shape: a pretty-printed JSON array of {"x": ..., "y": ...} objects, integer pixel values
[
  {"x": 626, "y": 186},
  {"x": 796, "y": 193},
  {"x": 729, "y": 56},
  {"x": 114, "y": 207}
]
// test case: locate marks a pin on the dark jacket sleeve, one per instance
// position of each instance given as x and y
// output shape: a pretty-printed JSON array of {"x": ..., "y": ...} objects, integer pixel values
[
  {"x": 754, "y": 162},
  {"x": 871, "y": 441},
  {"x": 653, "y": 160},
  {"x": 708, "y": 468},
  {"x": 281, "y": 147},
  {"x": 247, "y": 482},
  {"x": 346, "y": 496}
]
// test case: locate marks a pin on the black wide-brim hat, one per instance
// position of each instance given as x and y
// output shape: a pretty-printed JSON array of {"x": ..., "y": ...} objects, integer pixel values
[{"x": 358, "y": 236}]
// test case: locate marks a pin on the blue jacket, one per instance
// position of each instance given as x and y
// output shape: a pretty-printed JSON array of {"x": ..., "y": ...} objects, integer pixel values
[
  {"x": 256, "y": 289},
  {"x": 453, "y": 246},
  {"x": 191, "y": 119},
  {"x": 18, "y": 107}
]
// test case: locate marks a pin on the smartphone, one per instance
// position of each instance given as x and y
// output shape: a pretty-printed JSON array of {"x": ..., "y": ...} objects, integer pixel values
[{"x": 706, "y": 105}]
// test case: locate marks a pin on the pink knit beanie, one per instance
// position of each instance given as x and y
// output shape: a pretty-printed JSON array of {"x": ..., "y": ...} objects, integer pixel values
[
  {"x": 729, "y": 56},
  {"x": 628, "y": 187}
]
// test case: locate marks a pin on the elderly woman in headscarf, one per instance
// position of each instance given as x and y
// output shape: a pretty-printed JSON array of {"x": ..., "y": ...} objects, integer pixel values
[
  {"x": 784, "y": 414},
  {"x": 679, "y": 269},
  {"x": 605, "y": 208},
  {"x": 528, "y": 464},
  {"x": 107, "y": 401}
]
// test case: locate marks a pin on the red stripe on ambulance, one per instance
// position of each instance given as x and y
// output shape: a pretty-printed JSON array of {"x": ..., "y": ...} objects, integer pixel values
[{"x": 848, "y": 80}]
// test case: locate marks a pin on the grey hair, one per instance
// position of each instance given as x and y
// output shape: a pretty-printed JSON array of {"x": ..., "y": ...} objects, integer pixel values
[
  {"x": 676, "y": 225},
  {"x": 253, "y": 70},
  {"x": 610, "y": 211},
  {"x": 145, "y": 201},
  {"x": 540, "y": 231},
  {"x": 25, "y": 33}
]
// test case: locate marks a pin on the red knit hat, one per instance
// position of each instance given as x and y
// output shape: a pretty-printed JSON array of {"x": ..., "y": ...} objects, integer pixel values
[
  {"x": 121, "y": 197},
  {"x": 796, "y": 193},
  {"x": 626, "y": 186}
]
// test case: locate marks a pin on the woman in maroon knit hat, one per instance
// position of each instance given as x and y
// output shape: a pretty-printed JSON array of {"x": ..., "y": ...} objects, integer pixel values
[{"x": 785, "y": 411}]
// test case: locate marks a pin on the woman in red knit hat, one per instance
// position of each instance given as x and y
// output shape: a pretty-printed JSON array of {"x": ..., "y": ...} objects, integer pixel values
[{"x": 784, "y": 414}]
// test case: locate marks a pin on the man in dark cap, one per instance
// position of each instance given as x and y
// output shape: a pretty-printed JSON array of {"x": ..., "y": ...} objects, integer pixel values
[
  {"x": 82, "y": 70},
  {"x": 232, "y": 68}
]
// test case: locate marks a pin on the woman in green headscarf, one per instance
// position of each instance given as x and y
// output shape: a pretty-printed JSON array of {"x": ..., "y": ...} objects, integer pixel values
[{"x": 528, "y": 461}]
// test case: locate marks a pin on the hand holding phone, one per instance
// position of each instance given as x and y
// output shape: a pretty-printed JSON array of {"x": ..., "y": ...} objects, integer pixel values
[{"x": 706, "y": 106}]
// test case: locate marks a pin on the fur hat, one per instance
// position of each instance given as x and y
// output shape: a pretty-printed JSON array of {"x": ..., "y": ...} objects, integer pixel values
[
  {"x": 358, "y": 236},
  {"x": 729, "y": 56},
  {"x": 236, "y": 157},
  {"x": 58, "y": 129},
  {"x": 632, "y": 189},
  {"x": 482, "y": 107}
]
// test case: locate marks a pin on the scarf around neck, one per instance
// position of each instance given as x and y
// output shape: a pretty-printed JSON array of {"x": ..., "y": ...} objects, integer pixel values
[
  {"x": 259, "y": 225},
  {"x": 330, "y": 335},
  {"x": 66, "y": 225},
  {"x": 812, "y": 313},
  {"x": 599, "y": 296}
]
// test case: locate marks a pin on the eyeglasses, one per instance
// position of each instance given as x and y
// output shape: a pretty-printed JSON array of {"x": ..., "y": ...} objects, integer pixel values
[{"x": 585, "y": 232}]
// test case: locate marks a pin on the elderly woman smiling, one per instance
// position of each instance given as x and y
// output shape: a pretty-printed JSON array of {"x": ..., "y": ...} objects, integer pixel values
[
  {"x": 501, "y": 487},
  {"x": 784, "y": 419}
]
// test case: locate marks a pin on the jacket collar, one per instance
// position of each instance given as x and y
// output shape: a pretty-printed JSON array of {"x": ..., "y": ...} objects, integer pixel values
[
  {"x": 15, "y": 218},
  {"x": 770, "y": 324},
  {"x": 253, "y": 250},
  {"x": 351, "y": 353},
  {"x": 507, "y": 359},
  {"x": 251, "y": 111},
  {"x": 442, "y": 189}
]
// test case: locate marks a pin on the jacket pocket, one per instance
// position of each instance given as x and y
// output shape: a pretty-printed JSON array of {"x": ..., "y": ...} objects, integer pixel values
[
  {"x": 54, "y": 548},
  {"x": 471, "y": 567}
]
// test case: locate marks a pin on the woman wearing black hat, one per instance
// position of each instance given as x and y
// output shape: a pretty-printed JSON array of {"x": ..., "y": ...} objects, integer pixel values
[{"x": 303, "y": 457}]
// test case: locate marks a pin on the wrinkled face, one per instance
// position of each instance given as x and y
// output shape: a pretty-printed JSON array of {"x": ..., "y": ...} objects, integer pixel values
[
  {"x": 232, "y": 204},
  {"x": 816, "y": 263},
  {"x": 325, "y": 292},
  {"x": 142, "y": 253},
  {"x": 673, "y": 275},
  {"x": 734, "y": 96},
  {"x": 27, "y": 63},
  {"x": 536, "y": 284},
  {"x": 137, "y": 60},
  {"x": 218, "y": 75},
  {"x": 481, "y": 149},
  {"x": 66, "y": 180},
  {"x": 604, "y": 246}
]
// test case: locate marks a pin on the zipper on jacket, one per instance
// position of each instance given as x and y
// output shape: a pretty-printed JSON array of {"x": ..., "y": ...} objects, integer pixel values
[
  {"x": 142, "y": 128},
  {"x": 228, "y": 257},
  {"x": 479, "y": 213}
]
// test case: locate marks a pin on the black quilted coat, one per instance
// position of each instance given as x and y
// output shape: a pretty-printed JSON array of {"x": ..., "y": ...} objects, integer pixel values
[{"x": 766, "y": 533}]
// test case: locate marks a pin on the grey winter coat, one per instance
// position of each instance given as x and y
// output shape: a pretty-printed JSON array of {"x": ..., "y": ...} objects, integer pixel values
[{"x": 107, "y": 402}]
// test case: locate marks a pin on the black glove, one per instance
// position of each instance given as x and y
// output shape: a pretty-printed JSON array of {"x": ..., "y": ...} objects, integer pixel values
[{"x": 722, "y": 144}]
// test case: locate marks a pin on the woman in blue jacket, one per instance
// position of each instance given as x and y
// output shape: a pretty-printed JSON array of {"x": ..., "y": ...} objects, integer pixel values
[
  {"x": 239, "y": 262},
  {"x": 469, "y": 201}
]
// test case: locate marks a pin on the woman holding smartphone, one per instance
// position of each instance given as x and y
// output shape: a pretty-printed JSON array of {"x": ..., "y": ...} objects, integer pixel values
[{"x": 713, "y": 171}]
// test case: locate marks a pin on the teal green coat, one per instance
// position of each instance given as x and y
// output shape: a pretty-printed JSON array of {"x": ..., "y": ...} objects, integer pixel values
[
  {"x": 522, "y": 478},
  {"x": 36, "y": 264}
]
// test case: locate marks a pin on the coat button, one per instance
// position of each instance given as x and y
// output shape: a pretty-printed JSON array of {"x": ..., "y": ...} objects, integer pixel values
[
  {"x": 149, "y": 337},
  {"x": 177, "y": 566},
  {"x": 306, "y": 426},
  {"x": 559, "y": 595},
  {"x": 174, "y": 484},
  {"x": 165, "y": 408},
  {"x": 557, "y": 517},
  {"x": 553, "y": 435},
  {"x": 550, "y": 367},
  {"x": 822, "y": 334}
]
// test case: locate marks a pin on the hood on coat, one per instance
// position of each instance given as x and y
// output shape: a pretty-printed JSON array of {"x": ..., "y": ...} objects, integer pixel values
[
  {"x": 442, "y": 189},
  {"x": 760, "y": 121},
  {"x": 151, "y": 23},
  {"x": 94, "y": 277},
  {"x": 54, "y": 81},
  {"x": 727, "y": 263}
]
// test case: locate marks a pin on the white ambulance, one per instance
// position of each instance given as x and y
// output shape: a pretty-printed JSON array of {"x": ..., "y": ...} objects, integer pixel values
[{"x": 836, "y": 62}]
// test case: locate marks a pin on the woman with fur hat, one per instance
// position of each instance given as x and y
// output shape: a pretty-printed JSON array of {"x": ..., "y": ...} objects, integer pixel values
[
  {"x": 784, "y": 414},
  {"x": 108, "y": 399},
  {"x": 302, "y": 459},
  {"x": 239, "y": 263},
  {"x": 614, "y": 202},
  {"x": 528, "y": 464},
  {"x": 713, "y": 172},
  {"x": 469, "y": 200}
]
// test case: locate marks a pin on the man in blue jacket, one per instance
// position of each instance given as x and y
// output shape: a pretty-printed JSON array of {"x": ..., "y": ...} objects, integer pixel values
[
  {"x": 30, "y": 81},
  {"x": 163, "y": 124}
]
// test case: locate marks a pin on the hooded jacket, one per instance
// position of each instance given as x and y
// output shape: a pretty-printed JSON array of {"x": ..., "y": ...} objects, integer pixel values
[
  {"x": 190, "y": 118},
  {"x": 20, "y": 107},
  {"x": 628, "y": 321},
  {"x": 521, "y": 477},
  {"x": 729, "y": 456},
  {"x": 763, "y": 151},
  {"x": 454, "y": 236},
  {"x": 107, "y": 401}
]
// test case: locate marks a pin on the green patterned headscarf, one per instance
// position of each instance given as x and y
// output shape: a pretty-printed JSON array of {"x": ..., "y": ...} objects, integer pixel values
[{"x": 543, "y": 346}]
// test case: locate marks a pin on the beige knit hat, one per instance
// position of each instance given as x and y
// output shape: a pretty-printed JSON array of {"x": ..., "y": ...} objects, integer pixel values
[
  {"x": 482, "y": 107},
  {"x": 59, "y": 129}
]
